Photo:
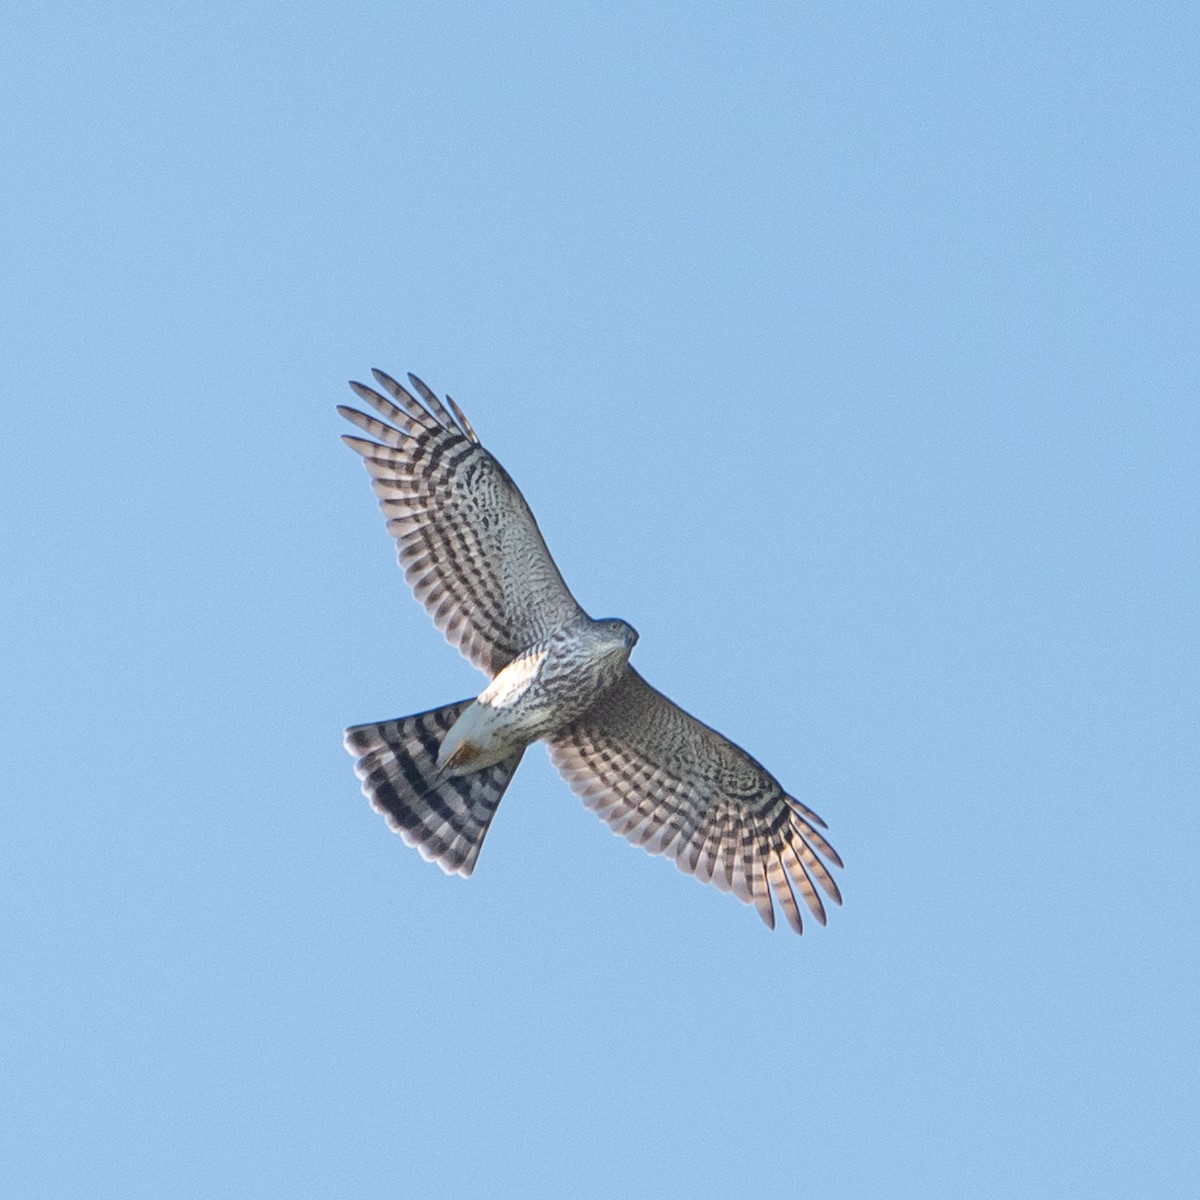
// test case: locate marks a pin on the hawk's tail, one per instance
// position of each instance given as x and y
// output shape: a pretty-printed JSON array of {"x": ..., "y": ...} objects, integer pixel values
[{"x": 446, "y": 817}]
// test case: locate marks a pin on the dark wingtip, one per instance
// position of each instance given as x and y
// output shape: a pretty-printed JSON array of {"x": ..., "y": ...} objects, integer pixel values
[
  {"x": 363, "y": 392},
  {"x": 384, "y": 379}
]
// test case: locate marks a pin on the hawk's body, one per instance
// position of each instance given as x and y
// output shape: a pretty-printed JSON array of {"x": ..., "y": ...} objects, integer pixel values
[
  {"x": 474, "y": 556},
  {"x": 540, "y": 692}
]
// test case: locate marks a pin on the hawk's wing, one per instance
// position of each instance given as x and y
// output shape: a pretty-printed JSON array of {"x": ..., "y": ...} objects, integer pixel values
[
  {"x": 468, "y": 544},
  {"x": 673, "y": 786}
]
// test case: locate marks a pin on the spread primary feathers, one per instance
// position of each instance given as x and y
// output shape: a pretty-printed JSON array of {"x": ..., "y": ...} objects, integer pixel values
[{"x": 473, "y": 555}]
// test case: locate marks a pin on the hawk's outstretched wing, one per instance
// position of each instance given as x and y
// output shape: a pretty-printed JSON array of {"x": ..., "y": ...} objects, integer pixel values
[
  {"x": 673, "y": 786},
  {"x": 467, "y": 542}
]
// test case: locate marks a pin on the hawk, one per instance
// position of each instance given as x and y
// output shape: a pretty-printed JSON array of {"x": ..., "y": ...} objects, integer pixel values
[{"x": 474, "y": 557}]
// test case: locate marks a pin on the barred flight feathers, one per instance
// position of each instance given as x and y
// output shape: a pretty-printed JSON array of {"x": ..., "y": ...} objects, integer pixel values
[
  {"x": 474, "y": 557},
  {"x": 445, "y": 817},
  {"x": 673, "y": 786},
  {"x": 466, "y": 540}
]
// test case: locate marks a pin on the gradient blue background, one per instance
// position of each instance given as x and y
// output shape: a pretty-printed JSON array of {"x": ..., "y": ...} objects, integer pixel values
[{"x": 848, "y": 351}]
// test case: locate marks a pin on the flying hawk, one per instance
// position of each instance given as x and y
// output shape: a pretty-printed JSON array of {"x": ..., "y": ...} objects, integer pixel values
[{"x": 473, "y": 555}]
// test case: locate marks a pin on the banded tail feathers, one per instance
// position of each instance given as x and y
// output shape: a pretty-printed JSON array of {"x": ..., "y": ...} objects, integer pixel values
[{"x": 444, "y": 816}]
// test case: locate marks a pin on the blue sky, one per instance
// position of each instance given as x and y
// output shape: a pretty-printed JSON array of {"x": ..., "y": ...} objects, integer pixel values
[{"x": 848, "y": 351}]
